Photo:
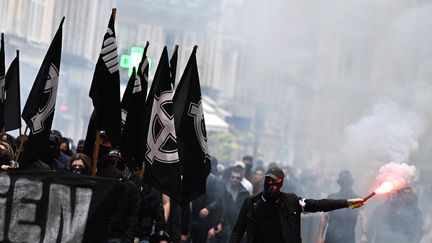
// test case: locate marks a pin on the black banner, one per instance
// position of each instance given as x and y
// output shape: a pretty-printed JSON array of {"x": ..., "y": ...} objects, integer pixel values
[{"x": 55, "y": 207}]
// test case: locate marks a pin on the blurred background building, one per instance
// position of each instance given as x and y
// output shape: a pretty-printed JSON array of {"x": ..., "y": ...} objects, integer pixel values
[{"x": 282, "y": 79}]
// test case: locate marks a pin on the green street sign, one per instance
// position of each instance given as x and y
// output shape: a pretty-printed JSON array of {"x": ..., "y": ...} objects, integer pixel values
[{"x": 133, "y": 59}]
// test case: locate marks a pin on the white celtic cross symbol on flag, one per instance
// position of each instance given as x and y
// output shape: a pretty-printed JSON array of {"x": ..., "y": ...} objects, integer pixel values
[
  {"x": 196, "y": 111},
  {"x": 50, "y": 90},
  {"x": 162, "y": 131}
]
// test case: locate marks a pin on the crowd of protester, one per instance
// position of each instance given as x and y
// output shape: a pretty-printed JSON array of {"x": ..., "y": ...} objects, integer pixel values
[{"x": 146, "y": 215}]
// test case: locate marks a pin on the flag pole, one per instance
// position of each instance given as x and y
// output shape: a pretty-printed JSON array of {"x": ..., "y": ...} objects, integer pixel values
[
  {"x": 141, "y": 174},
  {"x": 20, "y": 132},
  {"x": 21, "y": 144},
  {"x": 114, "y": 12},
  {"x": 176, "y": 48},
  {"x": 95, "y": 153}
]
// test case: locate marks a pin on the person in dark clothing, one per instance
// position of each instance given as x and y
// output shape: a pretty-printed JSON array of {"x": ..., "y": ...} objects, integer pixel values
[
  {"x": 65, "y": 146},
  {"x": 236, "y": 194},
  {"x": 341, "y": 223},
  {"x": 399, "y": 219},
  {"x": 53, "y": 156},
  {"x": 108, "y": 161},
  {"x": 248, "y": 161},
  {"x": 174, "y": 220},
  {"x": 123, "y": 226},
  {"x": 38, "y": 164},
  {"x": 152, "y": 226},
  {"x": 274, "y": 216},
  {"x": 80, "y": 146},
  {"x": 207, "y": 211},
  {"x": 152, "y": 217}
]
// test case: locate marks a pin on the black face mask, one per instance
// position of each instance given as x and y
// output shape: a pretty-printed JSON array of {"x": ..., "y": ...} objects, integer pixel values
[
  {"x": 248, "y": 168},
  {"x": 4, "y": 160},
  {"x": 77, "y": 171}
]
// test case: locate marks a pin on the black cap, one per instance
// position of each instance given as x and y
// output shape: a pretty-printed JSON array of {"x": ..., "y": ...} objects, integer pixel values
[{"x": 275, "y": 173}]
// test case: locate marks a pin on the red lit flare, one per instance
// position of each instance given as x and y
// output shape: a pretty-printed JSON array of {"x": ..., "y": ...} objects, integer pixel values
[{"x": 385, "y": 187}]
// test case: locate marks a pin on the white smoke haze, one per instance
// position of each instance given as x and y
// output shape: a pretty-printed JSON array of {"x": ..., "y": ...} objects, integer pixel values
[
  {"x": 400, "y": 175},
  {"x": 392, "y": 131},
  {"x": 344, "y": 84}
]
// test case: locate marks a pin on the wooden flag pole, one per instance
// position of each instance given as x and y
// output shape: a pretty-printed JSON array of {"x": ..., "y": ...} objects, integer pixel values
[
  {"x": 21, "y": 144},
  {"x": 114, "y": 12},
  {"x": 141, "y": 174},
  {"x": 3, "y": 134},
  {"x": 95, "y": 153}
]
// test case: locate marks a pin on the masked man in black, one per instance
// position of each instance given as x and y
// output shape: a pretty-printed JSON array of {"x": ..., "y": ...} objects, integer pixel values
[{"x": 274, "y": 216}]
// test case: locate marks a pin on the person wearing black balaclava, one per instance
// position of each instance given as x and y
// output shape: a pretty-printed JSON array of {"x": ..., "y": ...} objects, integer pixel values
[
  {"x": 274, "y": 216},
  {"x": 341, "y": 223},
  {"x": 52, "y": 154}
]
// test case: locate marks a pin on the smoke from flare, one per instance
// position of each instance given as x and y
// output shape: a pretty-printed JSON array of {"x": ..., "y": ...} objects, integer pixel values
[{"x": 400, "y": 175}]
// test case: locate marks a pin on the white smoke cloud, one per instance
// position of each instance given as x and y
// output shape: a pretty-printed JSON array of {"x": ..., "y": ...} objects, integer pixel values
[
  {"x": 392, "y": 130},
  {"x": 400, "y": 175}
]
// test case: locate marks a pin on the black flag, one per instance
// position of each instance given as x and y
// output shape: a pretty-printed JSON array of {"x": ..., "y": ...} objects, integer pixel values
[
  {"x": 2, "y": 81},
  {"x": 105, "y": 86},
  {"x": 147, "y": 107},
  {"x": 2, "y": 57},
  {"x": 12, "y": 104},
  {"x": 191, "y": 131},
  {"x": 90, "y": 139},
  {"x": 133, "y": 103},
  {"x": 143, "y": 67},
  {"x": 173, "y": 65},
  {"x": 38, "y": 111},
  {"x": 127, "y": 99},
  {"x": 163, "y": 168}
]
